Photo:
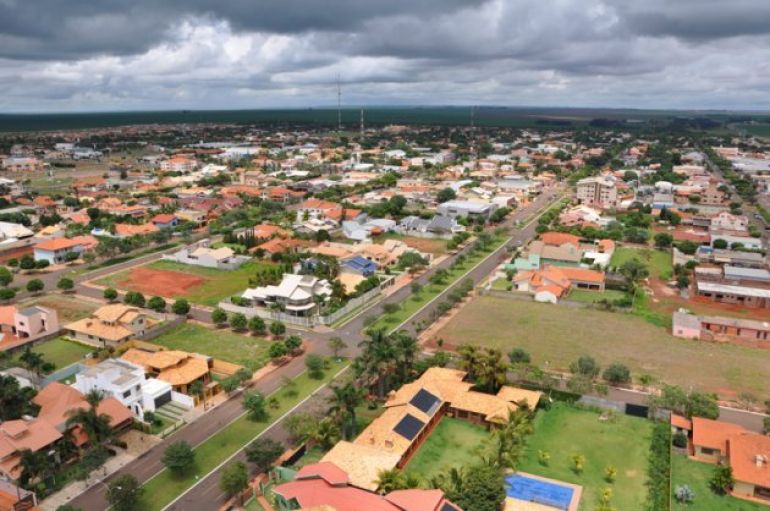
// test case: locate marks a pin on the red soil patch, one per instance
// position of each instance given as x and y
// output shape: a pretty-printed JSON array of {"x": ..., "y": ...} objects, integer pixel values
[
  {"x": 159, "y": 282},
  {"x": 667, "y": 300}
]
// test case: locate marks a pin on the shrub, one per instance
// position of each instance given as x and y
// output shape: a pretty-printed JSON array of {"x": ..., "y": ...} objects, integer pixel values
[
  {"x": 659, "y": 468},
  {"x": 110, "y": 294},
  {"x": 157, "y": 304},
  {"x": 181, "y": 307},
  {"x": 679, "y": 439},
  {"x": 684, "y": 494},
  {"x": 219, "y": 317},
  {"x": 617, "y": 373}
]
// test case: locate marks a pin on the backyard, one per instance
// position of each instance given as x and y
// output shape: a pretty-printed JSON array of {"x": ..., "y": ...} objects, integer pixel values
[
  {"x": 60, "y": 351},
  {"x": 696, "y": 475},
  {"x": 205, "y": 286},
  {"x": 165, "y": 487},
  {"x": 224, "y": 345},
  {"x": 555, "y": 336},
  {"x": 658, "y": 262},
  {"x": 454, "y": 443},
  {"x": 619, "y": 441},
  {"x": 582, "y": 295},
  {"x": 68, "y": 307}
]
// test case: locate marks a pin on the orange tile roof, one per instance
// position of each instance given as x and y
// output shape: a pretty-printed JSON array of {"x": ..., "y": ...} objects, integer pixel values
[
  {"x": 681, "y": 422},
  {"x": 268, "y": 231},
  {"x": 713, "y": 434},
  {"x": 132, "y": 230},
  {"x": 174, "y": 367},
  {"x": 559, "y": 238},
  {"x": 583, "y": 274},
  {"x": 750, "y": 458},
  {"x": 57, "y": 244}
]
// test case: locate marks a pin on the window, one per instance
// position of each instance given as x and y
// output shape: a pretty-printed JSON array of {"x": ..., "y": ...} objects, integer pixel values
[
  {"x": 709, "y": 450},
  {"x": 127, "y": 393}
]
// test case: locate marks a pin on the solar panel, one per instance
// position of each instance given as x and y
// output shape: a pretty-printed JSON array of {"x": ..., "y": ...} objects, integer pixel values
[
  {"x": 448, "y": 507},
  {"x": 409, "y": 427},
  {"x": 425, "y": 401}
]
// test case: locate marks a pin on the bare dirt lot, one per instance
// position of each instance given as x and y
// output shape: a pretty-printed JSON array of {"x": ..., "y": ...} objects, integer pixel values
[{"x": 153, "y": 282}]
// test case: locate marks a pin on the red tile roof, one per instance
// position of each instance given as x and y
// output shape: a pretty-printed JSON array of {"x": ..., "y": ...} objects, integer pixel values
[{"x": 57, "y": 244}]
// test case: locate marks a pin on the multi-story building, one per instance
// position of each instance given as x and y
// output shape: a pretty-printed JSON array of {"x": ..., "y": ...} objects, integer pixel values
[{"x": 597, "y": 191}]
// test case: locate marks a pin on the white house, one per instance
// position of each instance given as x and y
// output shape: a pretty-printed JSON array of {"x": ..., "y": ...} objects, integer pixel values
[
  {"x": 296, "y": 294},
  {"x": 55, "y": 250},
  {"x": 128, "y": 383},
  {"x": 202, "y": 255},
  {"x": 458, "y": 208}
]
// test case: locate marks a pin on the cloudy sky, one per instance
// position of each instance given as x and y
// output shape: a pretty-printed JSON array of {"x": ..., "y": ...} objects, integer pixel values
[{"x": 77, "y": 55}]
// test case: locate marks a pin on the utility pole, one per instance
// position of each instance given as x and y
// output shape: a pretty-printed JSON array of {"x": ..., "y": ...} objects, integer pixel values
[{"x": 362, "y": 123}]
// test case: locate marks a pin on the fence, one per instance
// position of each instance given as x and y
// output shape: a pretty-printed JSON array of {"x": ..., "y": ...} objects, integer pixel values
[
  {"x": 168, "y": 324},
  {"x": 310, "y": 321},
  {"x": 64, "y": 372}
]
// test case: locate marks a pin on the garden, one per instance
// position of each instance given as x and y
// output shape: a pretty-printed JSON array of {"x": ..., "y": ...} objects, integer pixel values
[{"x": 450, "y": 445}]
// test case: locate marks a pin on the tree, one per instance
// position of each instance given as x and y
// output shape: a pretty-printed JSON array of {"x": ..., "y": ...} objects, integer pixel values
[
  {"x": 256, "y": 406},
  {"x": 238, "y": 321},
  {"x": 519, "y": 356},
  {"x": 480, "y": 488},
  {"x": 6, "y": 277},
  {"x": 343, "y": 403},
  {"x": 263, "y": 452},
  {"x": 585, "y": 366},
  {"x": 256, "y": 325},
  {"x": 157, "y": 304},
  {"x": 336, "y": 344},
  {"x": 110, "y": 294},
  {"x": 394, "y": 479},
  {"x": 634, "y": 271},
  {"x": 293, "y": 343},
  {"x": 277, "y": 350},
  {"x": 71, "y": 257},
  {"x": 391, "y": 308},
  {"x": 682, "y": 281},
  {"x": 315, "y": 366},
  {"x": 235, "y": 479},
  {"x": 416, "y": 288},
  {"x": 32, "y": 361},
  {"x": 27, "y": 262},
  {"x": 197, "y": 389},
  {"x": 721, "y": 479},
  {"x": 663, "y": 240},
  {"x": 219, "y": 317},
  {"x": 719, "y": 244},
  {"x": 134, "y": 298},
  {"x": 179, "y": 457},
  {"x": 124, "y": 493},
  {"x": 704, "y": 405},
  {"x": 7, "y": 293},
  {"x": 684, "y": 494},
  {"x": 33, "y": 465},
  {"x": 617, "y": 373},
  {"x": 277, "y": 328},
  {"x": 181, "y": 307},
  {"x": 446, "y": 194},
  {"x": 65, "y": 284},
  {"x": 15, "y": 401},
  {"x": 35, "y": 286},
  {"x": 578, "y": 463}
]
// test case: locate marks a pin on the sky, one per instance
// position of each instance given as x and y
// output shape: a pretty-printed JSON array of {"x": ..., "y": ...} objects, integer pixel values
[{"x": 104, "y": 55}]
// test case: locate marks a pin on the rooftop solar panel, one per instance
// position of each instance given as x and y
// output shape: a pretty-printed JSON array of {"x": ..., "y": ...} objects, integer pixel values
[
  {"x": 409, "y": 426},
  {"x": 448, "y": 507},
  {"x": 425, "y": 401}
]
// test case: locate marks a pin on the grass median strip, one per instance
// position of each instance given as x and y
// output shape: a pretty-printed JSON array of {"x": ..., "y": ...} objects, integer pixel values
[
  {"x": 430, "y": 291},
  {"x": 165, "y": 487}
]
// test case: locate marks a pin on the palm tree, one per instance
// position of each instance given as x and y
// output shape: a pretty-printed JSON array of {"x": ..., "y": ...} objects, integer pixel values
[
  {"x": 394, "y": 479},
  {"x": 378, "y": 360},
  {"x": 406, "y": 350},
  {"x": 492, "y": 372},
  {"x": 32, "y": 361},
  {"x": 196, "y": 389},
  {"x": 344, "y": 401},
  {"x": 469, "y": 359},
  {"x": 326, "y": 433},
  {"x": 33, "y": 464},
  {"x": 95, "y": 425},
  {"x": 508, "y": 441}
]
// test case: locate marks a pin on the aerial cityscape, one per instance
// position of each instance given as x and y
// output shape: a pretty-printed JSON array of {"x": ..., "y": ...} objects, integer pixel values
[{"x": 492, "y": 255}]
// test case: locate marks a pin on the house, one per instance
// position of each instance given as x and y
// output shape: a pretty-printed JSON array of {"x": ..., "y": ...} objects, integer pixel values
[
  {"x": 551, "y": 283},
  {"x": 709, "y": 439},
  {"x": 557, "y": 248},
  {"x": 178, "y": 163},
  {"x": 22, "y": 164},
  {"x": 268, "y": 231},
  {"x": 127, "y": 383},
  {"x": 361, "y": 229},
  {"x": 20, "y": 326},
  {"x": 718, "y": 328},
  {"x": 437, "y": 227},
  {"x": 729, "y": 222},
  {"x": 324, "y": 486},
  {"x": 15, "y": 498},
  {"x": 55, "y": 250},
  {"x": 296, "y": 294},
  {"x": 597, "y": 191},
  {"x": 200, "y": 254},
  {"x": 466, "y": 209},
  {"x": 359, "y": 265},
  {"x": 412, "y": 412},
  {"x": 110, "y": 325},
  {"x": 177, "y": 368},
  {"x": 56, "y": 404},
  {"x": 129, "y": 230},
  {"x": 165, "y": 221}
]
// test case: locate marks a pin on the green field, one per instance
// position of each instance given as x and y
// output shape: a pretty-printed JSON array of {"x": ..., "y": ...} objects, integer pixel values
[
  {"x": 454, "y": 443},
  {"x": 658, "y": 262},
  {"x": 60, "y": 351},
  {"x": 581, "y": 295},
  {"x": 621, "y": 441},
  {"x": 239, "y": 349},
  {"x": 217, "y": 284},
  {"x": 165, "y": 487},
  {"x": 556, "y": 335},
  {"x": 696, "y": 475}
]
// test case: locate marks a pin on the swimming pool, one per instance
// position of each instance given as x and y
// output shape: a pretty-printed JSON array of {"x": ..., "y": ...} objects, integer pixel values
[{"x": 529, "y": 489}]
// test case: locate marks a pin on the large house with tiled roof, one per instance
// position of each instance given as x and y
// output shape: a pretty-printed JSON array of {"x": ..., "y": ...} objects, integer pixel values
[
  {"x": 110, "y": 325},
  {"x": 324, "y": 486},
  {"x": 410, "y": 415}
]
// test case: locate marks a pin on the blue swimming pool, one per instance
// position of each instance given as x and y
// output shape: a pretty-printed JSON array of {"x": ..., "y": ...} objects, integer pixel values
[{"x": 529, "y": 489}]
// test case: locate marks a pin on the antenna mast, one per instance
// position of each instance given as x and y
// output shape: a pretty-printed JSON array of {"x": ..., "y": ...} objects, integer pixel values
[
  {"x": 339, "y": 104},
  {"x": 362, "y": 122}
]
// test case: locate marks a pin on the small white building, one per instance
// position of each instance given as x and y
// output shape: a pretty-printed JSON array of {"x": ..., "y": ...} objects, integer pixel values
[
  {"x": 201, "y": 254},
  {"x": 296, "y": 294},
  {"x": 55, "y": 250}
]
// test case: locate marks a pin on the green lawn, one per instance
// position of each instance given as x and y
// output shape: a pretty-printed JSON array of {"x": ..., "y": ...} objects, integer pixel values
[
  {"x": 224, "y": 345},
  {"x": 696, "y": 475},
  {"x": 581, "y": 295},
  {"x": 430, "y": 291},
  {"x": 556, "y": 335},
  {"x": 658, "y": 262},
  {"x": 622, "y": 442},
  {"x": 217, "y": 284},
  {"x": 453, "y": 443},
  {"x": 61, "y": 352},
  {"x": 165, "y": 487}
]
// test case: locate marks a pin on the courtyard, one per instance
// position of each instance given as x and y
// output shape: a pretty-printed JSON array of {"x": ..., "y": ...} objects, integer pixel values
[{"x": 452, "y": 444}]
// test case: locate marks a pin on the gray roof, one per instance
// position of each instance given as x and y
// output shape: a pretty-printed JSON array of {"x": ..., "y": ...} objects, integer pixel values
[{"x": 736, "y": 272}]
